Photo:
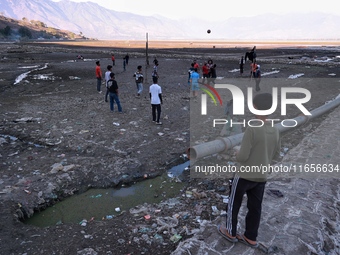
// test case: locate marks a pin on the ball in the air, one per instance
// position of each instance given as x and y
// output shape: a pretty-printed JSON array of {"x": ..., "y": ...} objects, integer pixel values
[{"x": 208, "y": 31}]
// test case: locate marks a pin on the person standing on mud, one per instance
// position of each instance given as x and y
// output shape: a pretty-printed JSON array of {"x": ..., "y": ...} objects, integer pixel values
[
  {"x": 107, "y": 78},
  {"x": 257, "y": 77},
  {"x": 205, "y": 71},
  {"x": 190, "y": 71},
  {"x": 253, "y": 69},
  {"x": 98, "y": 76},
  {"x": 124, "y": 64},
  {"x": 113, "y": 59},
  {"x": 113, "y": 91},
  {"x": 127, "y": 57},
  {"x": 210, "y": 65},
  {"x": 260, "y": 144},
  {"x": 155, "y": 71},
  {"x": 194, "y": 82},
  {"x": 139, "y": 80},
  {"x": 213, "y": 75},
  {"x": 155, "y": 92},
  {"x": 241, "y": 65}
]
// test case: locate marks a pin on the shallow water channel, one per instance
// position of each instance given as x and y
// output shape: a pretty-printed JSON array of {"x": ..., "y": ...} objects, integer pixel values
[{"x": 107, "y": 203}]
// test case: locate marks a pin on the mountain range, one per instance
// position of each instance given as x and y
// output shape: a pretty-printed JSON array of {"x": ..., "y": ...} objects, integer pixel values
[{"x": 92, "y": 20}]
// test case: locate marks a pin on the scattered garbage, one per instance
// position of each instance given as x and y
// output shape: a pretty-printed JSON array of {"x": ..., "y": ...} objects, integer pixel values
[
  {"x": 96, "y": 196},
  {"x": 74, "y": 78},
  {"x": 274, "y": 193},
  {"x": 27, "y": 119},
  {"x": 83, "y": 223},
  {"x": 295, "y": 76},
  {"x": 109, "y": 217},
  {"x": 158, "y": 238},
  {"x": 117, "y": 209},
  {"x": 116, "y": 124},
  {"x": 175, "y": 238}
]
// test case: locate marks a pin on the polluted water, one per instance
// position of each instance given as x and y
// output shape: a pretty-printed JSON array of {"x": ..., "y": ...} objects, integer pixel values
[{"x": 105, "y": 204}]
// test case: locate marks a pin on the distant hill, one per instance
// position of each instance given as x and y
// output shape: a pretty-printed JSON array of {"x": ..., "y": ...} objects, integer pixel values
[
  {"x": 32, "y": 29},
  {"x": 98, "y": 22}
]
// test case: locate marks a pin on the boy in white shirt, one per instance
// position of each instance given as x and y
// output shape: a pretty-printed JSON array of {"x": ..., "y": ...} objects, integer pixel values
[{"x": 155, "y": 92}]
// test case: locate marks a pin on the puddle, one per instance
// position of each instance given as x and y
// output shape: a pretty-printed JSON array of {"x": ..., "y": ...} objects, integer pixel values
[{"x": 103, "y": 204}]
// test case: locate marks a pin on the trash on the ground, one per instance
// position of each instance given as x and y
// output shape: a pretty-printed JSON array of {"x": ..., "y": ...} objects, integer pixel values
[
  {"x": 27, "y": 119},
  {"x": 147, "y": 217},
  {"x": 116, "y": 124},
  {"x": 158, "y": 238},
  {"x": 13, "y": 154},
  {"x": 83, "y": 131},
  {"x": 109, "y": 217},
  {"x": 144, "y": 230},
  {"x": 166, "y": 223},
  {"x": 175, "y": 238},
  {"x": 274, "y": 192},
  {"x": 295, "y": 76},
  {"x": 83, "y": 223},
  {"x": 96, "y": 196},
  {"x": 117, "y": 209},
  {"x": 160, "y": 134},
  {"x": 74, "y": 78},
  {"x": 27, "y": 191},
  {"x": 121, "y": 241},
  {"x": 214, "y": 208},
  {"x": 225, "y": 199},
  {"x": 170, "y": 175},
  {"x": 188, "y": 193}
]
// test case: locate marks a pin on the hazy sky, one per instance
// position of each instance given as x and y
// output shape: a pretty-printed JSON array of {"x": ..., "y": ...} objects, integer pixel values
[{"x": 218, "y": 9}]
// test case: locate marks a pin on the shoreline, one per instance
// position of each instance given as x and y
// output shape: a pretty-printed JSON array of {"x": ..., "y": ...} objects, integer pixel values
[{"x": 176, "y": 44}]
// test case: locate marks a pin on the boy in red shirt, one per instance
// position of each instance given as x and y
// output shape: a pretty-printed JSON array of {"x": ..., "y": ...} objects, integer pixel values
[{"x": 98, "y": 76}]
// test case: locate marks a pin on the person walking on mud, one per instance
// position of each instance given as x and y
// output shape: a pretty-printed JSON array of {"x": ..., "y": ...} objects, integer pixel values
[
  {"x": 260, "y": 144},
  {"x": 155, "y": 92},
  {"x": 98, "y": 76}
]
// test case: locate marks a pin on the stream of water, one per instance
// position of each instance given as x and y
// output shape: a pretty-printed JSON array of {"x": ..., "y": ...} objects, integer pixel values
[{"x": 108, "y": 203}]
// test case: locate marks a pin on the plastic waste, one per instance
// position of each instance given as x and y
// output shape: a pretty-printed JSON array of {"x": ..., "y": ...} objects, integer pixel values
[{"x": 175, "y": 238}]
